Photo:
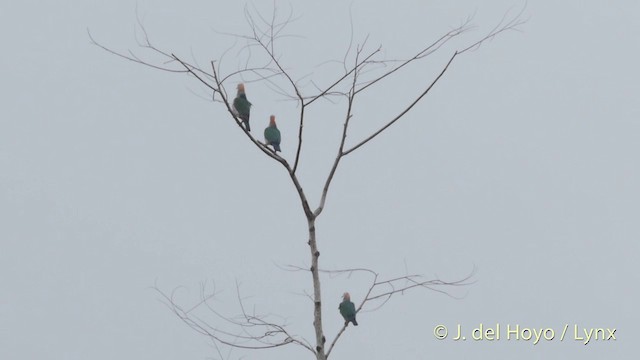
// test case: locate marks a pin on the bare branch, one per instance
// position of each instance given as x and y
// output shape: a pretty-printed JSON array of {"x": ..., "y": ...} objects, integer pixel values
[
  {"x": 131, "y": 58},
  {"x": 510, "y": 24},
  {"x": 346, "y": 75},
  {"x": 397, "y": 285},
  {"x": 271, "y": 54},
  {"x": 504, "y": 25},
  {"x": 406, "y": 110},
  {"x": 421, "y": 54},
  {"x": 191, "y": 71},
  {"x": 252, "y": 331},
  {"x": 352, "y": 94}
]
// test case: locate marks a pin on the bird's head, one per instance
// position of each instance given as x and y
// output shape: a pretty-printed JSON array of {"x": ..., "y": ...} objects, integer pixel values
[
  {"x": 346, "y": 296},
  {"x": 272, "y": 120},
  {"x": 241, "y": 87}
]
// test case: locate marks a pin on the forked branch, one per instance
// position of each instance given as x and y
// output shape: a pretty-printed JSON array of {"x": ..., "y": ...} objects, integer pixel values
[
  {"x": 383, "y": 290},
  {"x": 245, "y": 330}
]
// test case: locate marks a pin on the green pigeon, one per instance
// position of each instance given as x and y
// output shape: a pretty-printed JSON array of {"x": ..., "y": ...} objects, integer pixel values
[
  {"x": 242, "y": 106},
  {"x": 272, "y": 134},
  {"x": 348, "y": 310}
]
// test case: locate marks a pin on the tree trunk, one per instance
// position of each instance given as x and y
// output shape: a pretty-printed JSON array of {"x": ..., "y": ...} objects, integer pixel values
[{"x": 317, "y": 302}]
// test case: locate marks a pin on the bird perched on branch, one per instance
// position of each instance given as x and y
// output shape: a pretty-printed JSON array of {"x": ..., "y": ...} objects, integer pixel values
[
  {"x": 242, "y": 106},
  {"x": 348, "y": 310},
  {"x": 272, "y": 134}
]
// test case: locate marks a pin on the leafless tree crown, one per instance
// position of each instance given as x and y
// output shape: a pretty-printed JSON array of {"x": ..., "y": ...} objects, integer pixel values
[{"x": 363, "y": 67}]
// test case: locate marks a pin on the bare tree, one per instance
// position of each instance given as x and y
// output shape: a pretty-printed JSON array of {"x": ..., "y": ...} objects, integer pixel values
[{"x": 363, "y": 68}]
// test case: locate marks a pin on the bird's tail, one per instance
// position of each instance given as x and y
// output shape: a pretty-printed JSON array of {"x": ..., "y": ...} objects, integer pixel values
[
  {"x": 354, "y": 322},
  {"x": 276, "y": 147},
  {"x": 246, "y": 125}
]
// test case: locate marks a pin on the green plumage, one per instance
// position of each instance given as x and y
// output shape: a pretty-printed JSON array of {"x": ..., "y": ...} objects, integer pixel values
[
  {"x": 348, "y": 312},
  {"x": 242, "y": 106},
  {"x": 272, "y": 136}
]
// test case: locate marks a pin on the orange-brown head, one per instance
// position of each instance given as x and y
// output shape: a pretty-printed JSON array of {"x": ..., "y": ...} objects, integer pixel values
[
  {"x": 272, "y": 120},
  {"x": 240, "y": 88},
  {"x": 346, "y": 296}
]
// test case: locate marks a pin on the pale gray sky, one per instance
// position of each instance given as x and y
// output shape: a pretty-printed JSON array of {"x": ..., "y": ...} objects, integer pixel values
[{"x": 522, "y": 162}]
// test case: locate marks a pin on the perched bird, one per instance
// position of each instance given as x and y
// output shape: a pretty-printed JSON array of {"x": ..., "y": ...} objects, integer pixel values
[
  {"x": 272, "y": 134},
  {"x": 348, "y": 310},
  {"x": 242, "y": 106}
]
